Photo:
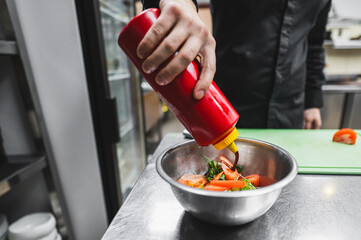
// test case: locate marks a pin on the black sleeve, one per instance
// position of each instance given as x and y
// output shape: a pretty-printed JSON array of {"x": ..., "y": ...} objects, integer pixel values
[
  {"x": 155, "y": 4},
  {"x": 316, "y": 61}
]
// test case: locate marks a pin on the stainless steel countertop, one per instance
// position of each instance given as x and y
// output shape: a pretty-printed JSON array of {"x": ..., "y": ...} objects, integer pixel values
[{"x": 311, "y": 207}]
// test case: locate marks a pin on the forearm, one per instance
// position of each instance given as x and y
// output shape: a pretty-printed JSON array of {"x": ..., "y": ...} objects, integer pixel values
[{"x": 316, "y": 61}]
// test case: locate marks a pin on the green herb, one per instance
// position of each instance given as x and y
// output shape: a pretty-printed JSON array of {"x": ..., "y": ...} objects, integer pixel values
[
  {"x": 206, "y": 157},
  {"x": 239, "y": 168},
  {"x": 202, "y": 186},
  {"x": 213, "y": 168},
  {"x": 249, "y": 185},
  {"x": 223, "y": 177}
]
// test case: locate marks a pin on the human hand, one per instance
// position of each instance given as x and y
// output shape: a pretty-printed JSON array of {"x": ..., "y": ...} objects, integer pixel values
[
  {"x": 179, "y": 29},
  {"x": 312, "y": 118}
]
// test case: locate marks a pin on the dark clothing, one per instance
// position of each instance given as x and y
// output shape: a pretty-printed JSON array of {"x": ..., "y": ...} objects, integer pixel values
[
  {"x": 155, "y": 4},
  {"x": 270, "y": 58}
]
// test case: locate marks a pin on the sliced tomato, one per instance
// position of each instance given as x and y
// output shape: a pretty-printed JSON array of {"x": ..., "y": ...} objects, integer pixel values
[
  {"x": 265, "y": 181},
  {"x": 210, "y": 187},
  {"x": 228, "y": 183},
  {"x": 230, "y": 175},
  {"x": 193, "y": 180},
  {"x": 345, "y": 135},
  {"x": 226, "y": 160},
  {"x": 254, "y": 179}
]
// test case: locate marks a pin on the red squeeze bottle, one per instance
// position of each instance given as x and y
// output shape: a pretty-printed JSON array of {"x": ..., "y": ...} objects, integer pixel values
[{"x": 210, "y": 120}]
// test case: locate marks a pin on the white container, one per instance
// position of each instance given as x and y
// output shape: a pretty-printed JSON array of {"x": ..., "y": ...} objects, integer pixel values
[
  {"x": 3, "y": 226},
  {"x": 51, "y": 236},
  {"x": 32, "y": 226},
  {"x": 58, "y": 237}
]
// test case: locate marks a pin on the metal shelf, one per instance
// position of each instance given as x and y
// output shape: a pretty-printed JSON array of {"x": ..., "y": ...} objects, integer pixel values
[
  {"x": 8, "y": 48},
  {"x": 18, "y": 169}
]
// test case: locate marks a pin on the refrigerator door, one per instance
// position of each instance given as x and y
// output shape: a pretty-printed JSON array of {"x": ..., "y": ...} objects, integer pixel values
[{"x": 125, "y": 88}]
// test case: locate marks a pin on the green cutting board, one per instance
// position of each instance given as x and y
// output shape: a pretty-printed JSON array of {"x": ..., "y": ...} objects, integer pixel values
[{"x": 313, "y": 150}]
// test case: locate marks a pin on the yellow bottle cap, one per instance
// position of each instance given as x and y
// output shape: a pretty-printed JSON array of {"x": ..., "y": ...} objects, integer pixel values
[{"x": 228, "y": 141}]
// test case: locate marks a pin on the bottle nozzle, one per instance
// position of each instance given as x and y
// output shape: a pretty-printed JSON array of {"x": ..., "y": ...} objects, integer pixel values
[{"x": 232, "y": 147}]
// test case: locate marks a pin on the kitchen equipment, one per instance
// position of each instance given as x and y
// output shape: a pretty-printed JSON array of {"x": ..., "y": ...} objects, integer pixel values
[
  {"x": 210, "y": 120},
  {"x": 33, "y": 227},
  {"x": 228, "y": 208},
  {"x": 313, "y": 149}
]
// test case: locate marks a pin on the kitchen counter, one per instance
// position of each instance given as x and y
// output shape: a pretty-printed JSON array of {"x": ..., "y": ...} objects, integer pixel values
[{"x": 311, "y": 207}]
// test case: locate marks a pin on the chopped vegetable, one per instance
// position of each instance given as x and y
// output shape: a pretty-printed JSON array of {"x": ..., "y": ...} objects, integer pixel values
[
  {"x": 214, "y": 168},
  {"x": 346, "y": 136},
  {"x": 248, "y": 185},
  {"x": 220, "y": 177},
  {"x": 215, "y": 188},
  {"x": 228, "y": 183},
  {"x": 193, "y": 180},
  {"x": 254, "y": 179},
  {"x": 230, "y": 175},
  {"x": 226, "y": 160}
]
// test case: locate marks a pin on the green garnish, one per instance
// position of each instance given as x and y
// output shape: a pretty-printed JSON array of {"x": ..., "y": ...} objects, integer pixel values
[
  {"x": 213, "y": 169},
  {"x": 239, "y": 168},
  {"x": 223, "y": 177},
  {"x": 206, "y": 157},
  {"x": 249, "y": 185}
]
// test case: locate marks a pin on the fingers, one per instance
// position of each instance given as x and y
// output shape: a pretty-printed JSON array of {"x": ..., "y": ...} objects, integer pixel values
[
  {"x": 312, "y": 118},
  {"x": 308, "y": 124},
  {"x": 208, "y": 62},
  {"x": 168, "y": 47},
  {"x": 184, "y": 57},
  {"x": 178, "y": 32},
  {"x": 317, "y": 123},
  {"x": 156, "y": 33}
]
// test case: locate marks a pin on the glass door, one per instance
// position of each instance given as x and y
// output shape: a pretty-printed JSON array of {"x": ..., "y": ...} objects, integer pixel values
[{"x": 125, "y": 88}]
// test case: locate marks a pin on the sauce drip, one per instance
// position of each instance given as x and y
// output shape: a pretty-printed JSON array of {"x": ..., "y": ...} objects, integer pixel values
[{"x": 235, "y": 161}]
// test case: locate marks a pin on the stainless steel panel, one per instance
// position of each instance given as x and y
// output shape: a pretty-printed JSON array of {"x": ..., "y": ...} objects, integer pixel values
[
  {"x": 355, "y": 118},
  {"x": 332, "y": 110}
]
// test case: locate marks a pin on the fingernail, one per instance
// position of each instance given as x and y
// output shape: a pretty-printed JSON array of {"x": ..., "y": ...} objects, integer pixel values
[
  {"x": 200, "y": 94},
  {"x": 148, "y": 68},
  {"x": 141, "y": 53},
  {"x": 162, "y": 80}
]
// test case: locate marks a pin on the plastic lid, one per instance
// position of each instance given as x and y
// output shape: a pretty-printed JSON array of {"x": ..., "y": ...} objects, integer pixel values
[{"x": 228, "y": 141}]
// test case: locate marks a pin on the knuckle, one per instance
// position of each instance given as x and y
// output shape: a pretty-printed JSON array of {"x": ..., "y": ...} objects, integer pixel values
[
  {"x": 212, "y": 42},
  {"x": 167, "y": 71},
  {"x": 186, "y": 57},
  {"x": 157, "y": 29},
  {"x": 189, "y": 20},
  {"x": 174, "y": 8},
  {"x": 202, "y": 31},
  {"x": 170, "y": 45}
]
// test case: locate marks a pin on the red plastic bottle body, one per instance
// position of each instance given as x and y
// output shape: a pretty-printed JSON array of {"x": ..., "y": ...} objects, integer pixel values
[{"x": 208, "y": 119}]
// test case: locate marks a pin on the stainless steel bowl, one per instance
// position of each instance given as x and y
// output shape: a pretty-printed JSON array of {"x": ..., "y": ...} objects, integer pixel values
[{"x": 271, "y": 162}]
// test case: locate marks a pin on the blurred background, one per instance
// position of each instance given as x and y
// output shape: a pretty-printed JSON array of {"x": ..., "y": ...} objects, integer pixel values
[{"x": 78, "y": 122}]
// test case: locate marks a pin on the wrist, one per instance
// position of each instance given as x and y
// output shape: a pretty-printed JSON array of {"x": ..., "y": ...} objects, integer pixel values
[{"x": 190, "y": 3}]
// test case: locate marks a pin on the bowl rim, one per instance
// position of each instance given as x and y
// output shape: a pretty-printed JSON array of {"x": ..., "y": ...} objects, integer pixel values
[{"x": 237, "y": 194}]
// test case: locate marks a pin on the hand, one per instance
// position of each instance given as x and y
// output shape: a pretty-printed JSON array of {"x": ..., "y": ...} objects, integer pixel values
[
  {"x": 179, "y": 29},
  {"x": 312, "y": 118}
]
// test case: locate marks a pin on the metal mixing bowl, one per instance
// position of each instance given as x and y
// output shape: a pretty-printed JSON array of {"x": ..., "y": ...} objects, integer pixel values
[{"x": 275, "y": 166}]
